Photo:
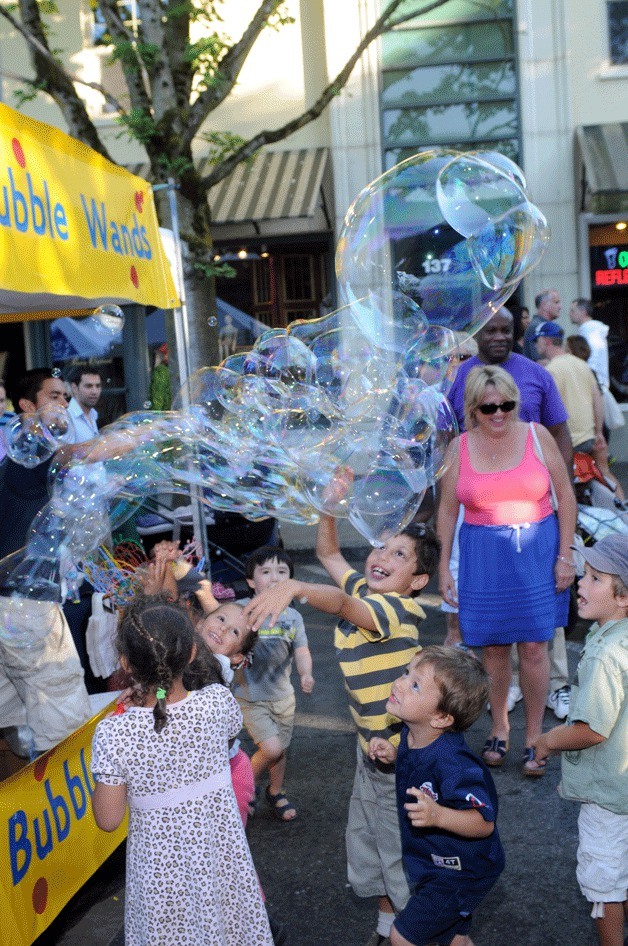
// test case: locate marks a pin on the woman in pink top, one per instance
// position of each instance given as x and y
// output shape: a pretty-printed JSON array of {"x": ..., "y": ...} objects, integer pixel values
[{"x": 515, "y": 558}]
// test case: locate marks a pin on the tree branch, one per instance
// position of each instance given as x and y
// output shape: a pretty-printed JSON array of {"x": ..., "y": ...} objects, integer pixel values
[
  {"x": 90, "y": 85},
  {"x": 270, "y": 136},
  {"x": 51, "y": 77},
  {"x": 133, "y": 74},
  {"x": 230, "y": 67}
]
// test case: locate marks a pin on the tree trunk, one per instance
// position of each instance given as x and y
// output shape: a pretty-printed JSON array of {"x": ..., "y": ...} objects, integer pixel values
[{"x": 200, "y": 291}]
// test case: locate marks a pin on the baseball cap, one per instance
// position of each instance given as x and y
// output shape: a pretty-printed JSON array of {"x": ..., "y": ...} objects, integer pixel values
[
  {"x": 609, "y": 555},
  {"x": 549, "y": 330}
]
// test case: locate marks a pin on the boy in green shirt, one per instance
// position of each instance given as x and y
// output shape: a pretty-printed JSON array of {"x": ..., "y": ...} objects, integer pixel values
[{"x": 594, "y": 741}]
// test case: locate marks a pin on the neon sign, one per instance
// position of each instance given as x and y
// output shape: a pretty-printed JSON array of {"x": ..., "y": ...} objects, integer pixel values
[{"x": 616, "y": 273}]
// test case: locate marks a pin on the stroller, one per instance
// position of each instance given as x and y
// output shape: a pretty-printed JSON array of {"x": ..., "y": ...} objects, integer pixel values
[{"x": 600, "y": 511}]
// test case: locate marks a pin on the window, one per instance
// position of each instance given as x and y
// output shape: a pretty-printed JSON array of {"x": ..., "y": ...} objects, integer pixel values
[
  {"x": 129, "y": 14},
  {"x": 617, "y": 12},
  {"x": 449, "y": 80}
]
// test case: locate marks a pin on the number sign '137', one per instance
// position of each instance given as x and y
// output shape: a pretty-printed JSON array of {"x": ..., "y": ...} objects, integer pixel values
[{"x": 436, "y": 265}]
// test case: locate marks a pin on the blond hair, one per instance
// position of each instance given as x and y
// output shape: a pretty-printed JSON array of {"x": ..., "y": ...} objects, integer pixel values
[{"x": 478, "y": 380}]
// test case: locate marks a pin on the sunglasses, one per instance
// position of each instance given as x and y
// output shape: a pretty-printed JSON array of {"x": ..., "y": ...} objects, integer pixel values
[{"x": 505, "y": 408}]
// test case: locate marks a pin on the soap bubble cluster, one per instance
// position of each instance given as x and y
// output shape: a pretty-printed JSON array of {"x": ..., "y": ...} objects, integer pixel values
[
  {"x": 346, "y": 414},
  {"x": 33, "y": 438}
]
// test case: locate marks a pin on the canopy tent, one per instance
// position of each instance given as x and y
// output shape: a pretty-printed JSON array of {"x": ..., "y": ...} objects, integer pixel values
[{"x": 76, "y": 231}]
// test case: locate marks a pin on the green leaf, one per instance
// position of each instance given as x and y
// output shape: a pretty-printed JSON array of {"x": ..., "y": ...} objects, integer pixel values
[
  {"x": 138, "y": 124},
  {"x": 211, "y": 270}
]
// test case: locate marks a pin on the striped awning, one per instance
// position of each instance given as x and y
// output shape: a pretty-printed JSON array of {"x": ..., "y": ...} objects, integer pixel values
[
  {"x": 604, "y": 151},
  {"x": 274, "y": 185}
]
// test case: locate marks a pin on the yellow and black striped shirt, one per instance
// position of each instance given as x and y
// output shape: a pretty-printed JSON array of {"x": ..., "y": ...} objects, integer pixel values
[{"x": 371, "y": 660}]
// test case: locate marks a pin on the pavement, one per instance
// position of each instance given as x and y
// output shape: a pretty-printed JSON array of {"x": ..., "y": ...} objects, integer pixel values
[{"x": 302, "y": 864}]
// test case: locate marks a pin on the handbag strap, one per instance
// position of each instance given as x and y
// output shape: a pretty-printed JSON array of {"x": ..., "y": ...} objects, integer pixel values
[{"x": 539, "y": 449}]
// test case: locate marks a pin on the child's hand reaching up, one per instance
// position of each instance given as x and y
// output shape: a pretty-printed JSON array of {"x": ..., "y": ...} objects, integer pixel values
[
  {"x": 381, "y": 750},
  {"x": 270, "y": 603}
]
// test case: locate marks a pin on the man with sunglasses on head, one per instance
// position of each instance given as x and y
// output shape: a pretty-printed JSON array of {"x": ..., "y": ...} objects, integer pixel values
[
  {"x": 540, "y": 403},
  {"x": 577, "y": 386}
]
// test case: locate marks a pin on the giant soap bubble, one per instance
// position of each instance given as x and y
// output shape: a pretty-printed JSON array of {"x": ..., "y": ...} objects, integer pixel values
[
  {"x": 345, "y": 415},
  {"x": 418, "y": 229}
]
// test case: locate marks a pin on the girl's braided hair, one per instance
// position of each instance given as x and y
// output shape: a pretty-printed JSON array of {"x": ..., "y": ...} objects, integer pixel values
[{"x": 156, "y": 638}]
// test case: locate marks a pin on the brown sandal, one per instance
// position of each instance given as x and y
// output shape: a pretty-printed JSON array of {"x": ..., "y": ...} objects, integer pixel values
[
  {"x": 532, "y": 768},
  {"x": 498, "y": 747}
]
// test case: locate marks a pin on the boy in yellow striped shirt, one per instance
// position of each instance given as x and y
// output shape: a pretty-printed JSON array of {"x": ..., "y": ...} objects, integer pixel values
[{"x": 375, "y": 638}]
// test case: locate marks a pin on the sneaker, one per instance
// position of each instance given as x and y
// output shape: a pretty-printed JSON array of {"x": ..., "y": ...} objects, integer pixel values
[
  {"x": 558, "y": 701},
  {"x": 514, "y": 696}
]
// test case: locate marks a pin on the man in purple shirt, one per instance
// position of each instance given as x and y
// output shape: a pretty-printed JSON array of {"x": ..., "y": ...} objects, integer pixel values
[
  {"x": 540, "y": 400},
  {"x": 542, "y": 404}
]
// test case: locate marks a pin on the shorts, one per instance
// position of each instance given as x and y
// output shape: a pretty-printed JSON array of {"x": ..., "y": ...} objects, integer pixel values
[
  {"x": 374, "y": 864},
  {"x": 269, "y": 719},
  {"x": 441, "y": 907},
  {"x": 602, "y": 870}
]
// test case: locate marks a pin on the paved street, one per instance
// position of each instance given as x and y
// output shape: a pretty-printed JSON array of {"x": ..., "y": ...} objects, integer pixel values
[{"x": 302, "y": 865}]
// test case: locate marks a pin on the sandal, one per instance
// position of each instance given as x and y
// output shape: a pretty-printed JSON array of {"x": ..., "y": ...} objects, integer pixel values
[
  {"x": 254, "y": 802},
  {"x": 497, "y": 747},
  {"x": 531, "y": 767},
  {"x": 281, "y": 806}
]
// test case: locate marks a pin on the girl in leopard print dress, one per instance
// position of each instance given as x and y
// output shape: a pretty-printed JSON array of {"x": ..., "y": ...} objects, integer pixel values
[{"x": 190, "y": 878}]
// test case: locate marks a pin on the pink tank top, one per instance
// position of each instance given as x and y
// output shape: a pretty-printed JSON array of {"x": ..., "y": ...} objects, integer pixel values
[{"x": 509, "y": 497}]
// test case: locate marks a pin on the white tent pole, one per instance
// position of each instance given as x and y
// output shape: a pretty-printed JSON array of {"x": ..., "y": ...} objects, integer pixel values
[{"x": 180, "y": 315}]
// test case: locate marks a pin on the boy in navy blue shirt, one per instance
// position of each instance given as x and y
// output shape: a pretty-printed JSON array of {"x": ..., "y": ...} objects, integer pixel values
[{"x": 446, "y": 798}]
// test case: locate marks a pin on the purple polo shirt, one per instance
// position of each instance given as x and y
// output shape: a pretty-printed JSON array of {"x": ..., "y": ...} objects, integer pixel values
[{"x": 540, "y": 400}]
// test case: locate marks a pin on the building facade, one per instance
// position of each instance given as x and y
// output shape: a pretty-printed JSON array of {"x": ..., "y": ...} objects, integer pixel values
[{"x": 543, "y": 81}]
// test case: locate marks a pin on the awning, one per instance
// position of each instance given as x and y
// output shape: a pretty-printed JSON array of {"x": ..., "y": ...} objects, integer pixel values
[
  {"x": 75, "y": 230},
  {"x": 275, "y": 185},
  {"x": 604, "y": 151}
]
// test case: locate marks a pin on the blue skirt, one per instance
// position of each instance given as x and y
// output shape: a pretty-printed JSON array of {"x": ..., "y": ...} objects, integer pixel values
[{"x": 506, "y": 585}]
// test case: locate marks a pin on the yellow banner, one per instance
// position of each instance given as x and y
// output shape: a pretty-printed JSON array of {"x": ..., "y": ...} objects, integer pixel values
[
  {"x": 74, "y": 225},
  {"x": 49, "y": 843}
]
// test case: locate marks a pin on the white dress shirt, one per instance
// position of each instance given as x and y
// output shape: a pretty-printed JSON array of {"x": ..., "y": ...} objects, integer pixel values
[{"x": 85, "y": 426}]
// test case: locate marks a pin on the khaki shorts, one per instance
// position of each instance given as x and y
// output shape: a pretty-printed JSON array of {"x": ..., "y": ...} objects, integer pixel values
[
  {"x": 602, "y": 869},
  {"x": 268, "y": 719},
  {"x": 374, "y": 865}
]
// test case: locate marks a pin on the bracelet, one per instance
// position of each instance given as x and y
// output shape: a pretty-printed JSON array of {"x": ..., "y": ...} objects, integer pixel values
[
  {"x": 561, "y": 558},
  {"x": 303, "y": 599}
]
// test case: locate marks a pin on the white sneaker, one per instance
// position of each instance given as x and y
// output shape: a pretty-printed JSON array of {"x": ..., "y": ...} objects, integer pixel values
[
  {"x": 558, "y": 701},
  {"x": 514, "y": 696}
]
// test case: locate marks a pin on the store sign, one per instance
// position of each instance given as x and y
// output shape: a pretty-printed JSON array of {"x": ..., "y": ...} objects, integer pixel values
[
  {"x": 609, "y": 266},
  {"x": 72, "y": 224},
  {"x": 49, "y": 842}
]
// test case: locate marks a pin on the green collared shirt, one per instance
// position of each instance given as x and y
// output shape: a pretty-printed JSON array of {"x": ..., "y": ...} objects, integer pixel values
[{"x": 599, "y": 697}]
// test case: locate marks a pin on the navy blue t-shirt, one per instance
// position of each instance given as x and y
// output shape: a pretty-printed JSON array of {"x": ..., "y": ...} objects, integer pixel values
[{"x": 453, "y": 776}]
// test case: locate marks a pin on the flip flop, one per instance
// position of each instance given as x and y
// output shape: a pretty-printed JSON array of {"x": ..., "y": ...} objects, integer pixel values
[
  {"x": 531, "y": 767},
  {"x": 498, "y": 747},
  {"x": 280, "y": 806}
]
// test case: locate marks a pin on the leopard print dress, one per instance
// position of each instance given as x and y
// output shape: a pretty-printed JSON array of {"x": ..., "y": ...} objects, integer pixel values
[{"x": 190, "y": 879}]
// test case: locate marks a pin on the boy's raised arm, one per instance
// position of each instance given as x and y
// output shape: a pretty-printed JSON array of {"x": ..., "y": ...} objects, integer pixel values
[
  {"x": 328, "y": 551},
  {"x": 327, "y": 598}
]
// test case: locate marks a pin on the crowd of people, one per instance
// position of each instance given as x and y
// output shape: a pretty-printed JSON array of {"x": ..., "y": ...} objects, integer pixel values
[{"x": 422, "y": 832}]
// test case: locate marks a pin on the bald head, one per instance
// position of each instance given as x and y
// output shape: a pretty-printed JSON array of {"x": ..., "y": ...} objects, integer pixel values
[
  {"x": 548, "y": 304},
  {"x": 495, "y": 339}
]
